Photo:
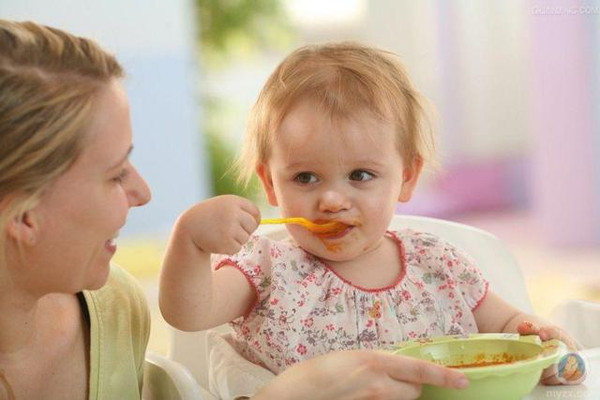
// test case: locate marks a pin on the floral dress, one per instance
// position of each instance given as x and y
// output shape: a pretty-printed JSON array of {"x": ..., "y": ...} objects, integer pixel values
[{"x": 304, "y": 309}]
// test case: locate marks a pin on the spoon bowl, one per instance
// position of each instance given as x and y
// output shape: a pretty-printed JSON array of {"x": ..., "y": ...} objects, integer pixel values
[{"x": 330, "y": 227}]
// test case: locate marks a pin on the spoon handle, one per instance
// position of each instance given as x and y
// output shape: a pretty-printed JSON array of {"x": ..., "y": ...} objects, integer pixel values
[{"x": 297, "y": 220}]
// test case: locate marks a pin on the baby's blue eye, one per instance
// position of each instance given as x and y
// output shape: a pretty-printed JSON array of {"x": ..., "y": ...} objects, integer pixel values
[
  {"x": 305, "y": 178},
  {"x": 361, "y": 175}
]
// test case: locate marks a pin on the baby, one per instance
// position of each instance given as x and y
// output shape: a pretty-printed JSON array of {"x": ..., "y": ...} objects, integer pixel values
[{"x": 338, "y": 133}]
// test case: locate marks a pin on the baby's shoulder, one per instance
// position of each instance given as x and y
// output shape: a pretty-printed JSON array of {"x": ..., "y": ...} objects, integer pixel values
[
  {"x": 423, "y": 250},
  {"x": 265, "y": 247},
  {"x": 425, "y": 245},
  {"x": 418, "y": 240}
]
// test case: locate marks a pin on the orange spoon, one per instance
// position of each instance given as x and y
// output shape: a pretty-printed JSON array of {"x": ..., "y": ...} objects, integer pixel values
[{"x": 326, "y": 227}]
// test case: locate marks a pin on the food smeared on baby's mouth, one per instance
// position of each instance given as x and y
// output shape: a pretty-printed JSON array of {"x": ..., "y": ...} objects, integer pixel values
[{"x": 337, "y": 231}]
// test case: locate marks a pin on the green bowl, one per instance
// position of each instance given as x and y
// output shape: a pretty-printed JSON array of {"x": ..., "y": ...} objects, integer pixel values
[{"x": 498, "y": 366}]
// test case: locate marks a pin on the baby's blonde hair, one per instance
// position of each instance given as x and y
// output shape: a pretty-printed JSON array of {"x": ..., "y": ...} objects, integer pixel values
[
  {"x": 345, "y": 79},
  {"x": 49, "y": 80}
]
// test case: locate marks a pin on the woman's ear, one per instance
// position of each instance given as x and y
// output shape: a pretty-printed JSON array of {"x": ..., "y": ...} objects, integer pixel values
[
  {"x": 22, "y": 229},
  {"x": 264, "y": 174},
  {"x": 410, "y": 177}
]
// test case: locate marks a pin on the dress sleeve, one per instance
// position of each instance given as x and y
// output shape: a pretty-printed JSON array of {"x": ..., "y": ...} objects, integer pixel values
[
  {"x": 464, "y": 274},
  {"x": 254, "y": 261},
  {"x": 452, "y": 271}
]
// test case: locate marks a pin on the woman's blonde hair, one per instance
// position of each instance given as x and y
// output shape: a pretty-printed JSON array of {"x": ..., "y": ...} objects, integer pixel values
[
  {"x": 48, "y": 82},
  {"x": 344, "y": 79}
]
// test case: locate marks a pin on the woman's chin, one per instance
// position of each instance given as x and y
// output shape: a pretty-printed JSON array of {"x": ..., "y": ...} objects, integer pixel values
[{"x": 100, "y": 278}]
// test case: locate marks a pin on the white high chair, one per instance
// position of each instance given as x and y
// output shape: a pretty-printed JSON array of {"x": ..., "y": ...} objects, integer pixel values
[
  {"x": 198, "y": 350},
  {"x": 167, "y": 379},
  {"x": 581, "y": 318}
]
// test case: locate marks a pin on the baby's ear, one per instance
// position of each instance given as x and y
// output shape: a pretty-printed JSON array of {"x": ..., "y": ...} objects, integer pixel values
[
  {"x": 410, "y": 177},
  {"x": 264, "y": 173}
]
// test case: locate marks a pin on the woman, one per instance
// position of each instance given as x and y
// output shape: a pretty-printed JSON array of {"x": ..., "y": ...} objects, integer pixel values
[
  {"x": 72, "y": 326},
  {"x": 66, "y": 186}
]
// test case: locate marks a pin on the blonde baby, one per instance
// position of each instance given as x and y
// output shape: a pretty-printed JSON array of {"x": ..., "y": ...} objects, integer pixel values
[{"x": 338, "y": 133}]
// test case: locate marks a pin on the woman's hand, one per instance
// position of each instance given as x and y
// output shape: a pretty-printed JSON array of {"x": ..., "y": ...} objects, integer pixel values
[
  {"x": 359, "y": 374},
  {"x": 221, "y": 224},
  {"x": 548, "y": 332}
]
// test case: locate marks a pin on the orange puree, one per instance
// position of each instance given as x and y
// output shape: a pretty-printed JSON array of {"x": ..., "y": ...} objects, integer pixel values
[{"x": 481, "y": 360}]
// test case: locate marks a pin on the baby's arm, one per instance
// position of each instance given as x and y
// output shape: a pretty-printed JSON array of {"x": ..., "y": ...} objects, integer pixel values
[
  {"x": 496, "y": 315},
  {"x": 193, "y": 296}
]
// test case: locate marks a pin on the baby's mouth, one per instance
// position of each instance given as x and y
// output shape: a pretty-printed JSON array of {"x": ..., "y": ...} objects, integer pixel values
[{"x": 339, "y": 230}]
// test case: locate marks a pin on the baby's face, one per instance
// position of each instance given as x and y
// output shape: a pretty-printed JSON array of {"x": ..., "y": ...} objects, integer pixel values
[{"x": 347, "y": 170}]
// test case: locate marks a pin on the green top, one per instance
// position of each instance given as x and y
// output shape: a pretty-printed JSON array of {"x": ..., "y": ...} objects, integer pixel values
[{"x": 119, "y": 331}]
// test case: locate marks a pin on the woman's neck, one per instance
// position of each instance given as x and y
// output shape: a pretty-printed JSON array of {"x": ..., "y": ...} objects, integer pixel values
[
  {"x": 27, "y": 321},
  {"x": 44, "y": 346},
  {"x": 19, "y": 319}
]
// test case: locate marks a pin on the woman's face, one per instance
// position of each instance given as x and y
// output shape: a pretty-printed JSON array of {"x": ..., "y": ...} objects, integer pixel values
[{"x": 79, "y": 217}]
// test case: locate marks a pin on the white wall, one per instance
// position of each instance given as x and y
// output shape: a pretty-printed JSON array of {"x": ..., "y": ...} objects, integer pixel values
[{"x": 154, "y": 40}]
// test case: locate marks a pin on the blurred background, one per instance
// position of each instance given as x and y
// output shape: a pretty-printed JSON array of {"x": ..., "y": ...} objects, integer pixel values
[{"x": 515, "y": 85}]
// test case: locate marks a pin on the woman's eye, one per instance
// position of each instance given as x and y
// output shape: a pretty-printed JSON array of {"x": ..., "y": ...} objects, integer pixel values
[
  {"x": 119, "y": 178},
  {"x": 361, "y": 175},
  {"x": 305, "y": 178}
]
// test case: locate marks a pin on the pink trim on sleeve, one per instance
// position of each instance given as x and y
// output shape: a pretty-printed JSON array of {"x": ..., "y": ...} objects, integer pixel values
[
  {"x": 230, "y": 263},
  {"x": 485, "y": 292}
]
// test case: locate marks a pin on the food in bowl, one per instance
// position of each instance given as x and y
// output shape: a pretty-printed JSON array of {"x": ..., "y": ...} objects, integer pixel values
[
  {"x": 498, "y": 366},
  {"x": 486, "y": 360}
]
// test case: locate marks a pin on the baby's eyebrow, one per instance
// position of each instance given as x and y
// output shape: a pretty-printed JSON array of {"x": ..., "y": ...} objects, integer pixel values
[
  {"x": 355, "y": 164},
  {"x": 369, "y": 163},
  {"x": 298, "y": 165}
]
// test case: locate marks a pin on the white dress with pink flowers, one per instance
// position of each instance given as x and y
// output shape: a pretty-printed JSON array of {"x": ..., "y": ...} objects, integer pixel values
[{"x": 304, "y": 309}]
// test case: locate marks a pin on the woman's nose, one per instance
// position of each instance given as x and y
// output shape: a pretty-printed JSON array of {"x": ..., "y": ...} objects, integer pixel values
[
  {"x": 334, "y": 201},
  {"x": 138, "y": 192}
]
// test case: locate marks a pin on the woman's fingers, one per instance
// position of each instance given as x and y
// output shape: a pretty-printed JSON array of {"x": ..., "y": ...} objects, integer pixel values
[
  {"x": 399, "y": 390},
  {"x": 423, "y": 372},
  {"x": 550, "y": 376}
]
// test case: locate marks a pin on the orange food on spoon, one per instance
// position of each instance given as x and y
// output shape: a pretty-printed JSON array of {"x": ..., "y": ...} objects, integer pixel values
[{"x": 324, "y": 229}]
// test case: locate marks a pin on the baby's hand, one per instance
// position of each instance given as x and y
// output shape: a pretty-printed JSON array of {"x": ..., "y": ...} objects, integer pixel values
[
  {"x": 221, "y": 224},
  {"x": 548, "y": 332}
]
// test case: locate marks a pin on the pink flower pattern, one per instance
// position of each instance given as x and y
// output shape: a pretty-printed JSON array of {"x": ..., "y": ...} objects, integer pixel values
[{"x": 304, "y": 309}]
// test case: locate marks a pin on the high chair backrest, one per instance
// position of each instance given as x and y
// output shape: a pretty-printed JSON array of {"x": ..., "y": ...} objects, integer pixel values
[
  {"x": 581, "y": 318},
  {"x": 492, "y": 257},
  {"x": 167, "y": 379}
]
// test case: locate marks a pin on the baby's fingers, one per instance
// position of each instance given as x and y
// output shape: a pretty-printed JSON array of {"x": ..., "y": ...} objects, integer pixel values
[
  {"x": 550, "y": 332},
  {"x": 528, "y": 328},
  {"x": 249, "y": 223},
  {"x": 251, "y": 209},
  {"x": 553, "y": 332}
]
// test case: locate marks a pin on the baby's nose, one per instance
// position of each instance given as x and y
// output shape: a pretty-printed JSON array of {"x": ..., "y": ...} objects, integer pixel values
[{"x": 334, "y": 201}]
